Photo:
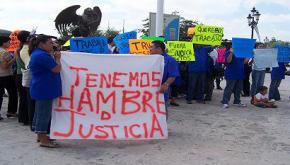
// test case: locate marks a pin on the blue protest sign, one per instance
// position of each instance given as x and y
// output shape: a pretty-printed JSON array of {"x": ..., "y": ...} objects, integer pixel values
[
  {"x": 122, "y": 41},
  {"x": 283, "y": 53},
  {"x": 243, "y": 47},
  {"x": 97, "y": 45}
]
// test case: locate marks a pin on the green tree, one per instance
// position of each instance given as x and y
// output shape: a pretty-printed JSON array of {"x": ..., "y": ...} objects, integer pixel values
[
  {"x": 273, "y": 42},
  {"x": 145, "y": 29}
]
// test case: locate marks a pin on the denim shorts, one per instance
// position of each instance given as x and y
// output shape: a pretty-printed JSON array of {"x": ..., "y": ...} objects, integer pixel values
[{"x": 42, "y": 116}]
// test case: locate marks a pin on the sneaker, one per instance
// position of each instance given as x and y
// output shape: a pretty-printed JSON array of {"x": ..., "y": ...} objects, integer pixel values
[
  {"x": 225, "y": 106},
  {"x": 240, "y": 105},
  {"x": 1, "y": 118},
  {"x": 272, "y": 100}
]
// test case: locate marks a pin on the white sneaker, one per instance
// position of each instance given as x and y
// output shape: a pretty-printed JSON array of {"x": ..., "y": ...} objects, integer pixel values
[
  {"x": 225, "y": 106},
  {"x": 241, "y": 105},
  {"x": 272, "y": 100}
]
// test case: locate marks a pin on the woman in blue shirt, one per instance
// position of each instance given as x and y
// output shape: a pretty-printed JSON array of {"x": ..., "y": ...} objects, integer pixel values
[{"x": 45, "y": 84}]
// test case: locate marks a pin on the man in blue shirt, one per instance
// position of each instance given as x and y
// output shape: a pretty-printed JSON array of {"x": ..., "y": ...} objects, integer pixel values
[
  {"x": 234, "y": 75},
  {"x": 170, "y": 71},
  {"x": 277, "y": 74},
  {"x": 197, "y": 74}
]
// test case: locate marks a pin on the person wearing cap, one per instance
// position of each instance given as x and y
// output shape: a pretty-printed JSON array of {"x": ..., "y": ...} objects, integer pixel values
[{"x": 190, "y": 32}]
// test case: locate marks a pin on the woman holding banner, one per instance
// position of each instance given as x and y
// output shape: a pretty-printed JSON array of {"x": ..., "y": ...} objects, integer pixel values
[{"x": 45, "y": 84}]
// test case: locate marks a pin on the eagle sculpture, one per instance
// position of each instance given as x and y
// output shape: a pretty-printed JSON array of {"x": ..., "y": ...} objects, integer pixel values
[{"x": 69, "y": 23}]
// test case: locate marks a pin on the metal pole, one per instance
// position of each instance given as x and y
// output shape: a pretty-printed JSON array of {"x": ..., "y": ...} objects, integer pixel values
[
  {"x": 252, "y": 36},
  {"x": 159, "y": 18}
]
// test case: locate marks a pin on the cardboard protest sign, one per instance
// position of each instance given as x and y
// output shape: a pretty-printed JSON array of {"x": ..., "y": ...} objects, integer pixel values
[
  {"x": 14, "y": 42},
  {"x": 265, "y": 58},
  {"x": 181, "y": 51},
  {"x": 208, "y": 35},
  {"x": 98, "y": 45},
  {"x": 110, "y": 97},
  {"x": 283, "y": 53},
  {"x": 221, "y": 53},
  {"x": 153, "y": 38},
  {"x": 139, "y": 46},
  {"x": 243, "y": 47},
  {"x": 122, "y": 41}
]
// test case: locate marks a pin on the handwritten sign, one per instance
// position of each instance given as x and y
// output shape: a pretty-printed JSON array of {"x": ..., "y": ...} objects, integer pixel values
[
  {"x": 221, "y": 53},
  {"x": 181, "y": 51},
  {"x": 243, "y": 47},
  {"x": 208, "y": 35},
  {"x": 139, "y": 46},
  {"x": 120, "y": 102},
  {"x": 14, "y": 42},
  {"x": 122, "y": 41},
  {"x": 265, "y": 58},
  {"x": 98, "y": 45},
  {"x": 283, "y": 53},
  {"x": 153, "y": 38}
]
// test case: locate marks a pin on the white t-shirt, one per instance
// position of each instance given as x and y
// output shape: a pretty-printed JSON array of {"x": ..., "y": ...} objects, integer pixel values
[{"x": 259, "y": 96}]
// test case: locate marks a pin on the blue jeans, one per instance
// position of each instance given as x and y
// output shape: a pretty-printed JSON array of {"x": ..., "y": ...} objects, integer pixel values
[
  {"x": 274, "y": 91},
  {"x": 42, "y": 116},
  {"x": 233, "y": 86},
  {"x": 196, "y": 85},
  {"x": 258, "y": 77}
]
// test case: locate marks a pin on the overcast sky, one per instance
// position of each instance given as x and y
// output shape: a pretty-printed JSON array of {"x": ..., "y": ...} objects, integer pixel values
[{"x": 231, "y": 14}]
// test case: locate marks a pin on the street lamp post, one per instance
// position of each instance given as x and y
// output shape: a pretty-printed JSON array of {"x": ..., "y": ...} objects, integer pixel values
[{"x": 253, "y": 19}]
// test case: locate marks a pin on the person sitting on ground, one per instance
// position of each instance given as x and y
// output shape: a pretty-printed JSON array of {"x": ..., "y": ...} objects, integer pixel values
[{"x": 261, "y": 100}]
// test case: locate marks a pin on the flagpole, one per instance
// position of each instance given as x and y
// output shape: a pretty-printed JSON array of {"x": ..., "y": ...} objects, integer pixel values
[{"x": 159, "y": 18}]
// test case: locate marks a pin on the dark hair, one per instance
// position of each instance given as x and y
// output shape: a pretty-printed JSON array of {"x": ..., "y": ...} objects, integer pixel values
[
  {"x": 36, "y": 40},
  {"x": 228, "y": 45},
  {"x": 23, "y": 36},
  {"x": 258, "y": 44},
  {"x": 4, "y": 39},
  {"x": 262, "y": 88},
  {"x": 160, "y": 44},
  {"x": 110, "y": 40}
]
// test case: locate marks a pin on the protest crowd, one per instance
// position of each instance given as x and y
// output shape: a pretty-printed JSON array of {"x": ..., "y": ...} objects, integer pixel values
[{"x": 30, "y": 70}]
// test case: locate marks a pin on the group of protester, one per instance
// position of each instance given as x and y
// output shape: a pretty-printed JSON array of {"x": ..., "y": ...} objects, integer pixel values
[
  {"x": 31, "y": 75},
  {"x": 34, "y": 69}
]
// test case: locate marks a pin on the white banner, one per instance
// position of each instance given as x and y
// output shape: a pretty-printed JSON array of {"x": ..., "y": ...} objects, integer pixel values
[
  {"x": 110, "y": 97},
  {"x": 266, "y": 58}
]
